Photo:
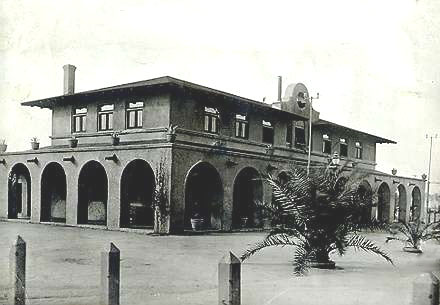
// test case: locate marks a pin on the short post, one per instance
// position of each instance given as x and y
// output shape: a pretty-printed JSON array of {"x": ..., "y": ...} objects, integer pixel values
[
  {"x": 17, "y": 269},
  {"x": 110, "y": 276},
  {"x": 422, "y": 290},
  {"x": 229, "y": 280}
]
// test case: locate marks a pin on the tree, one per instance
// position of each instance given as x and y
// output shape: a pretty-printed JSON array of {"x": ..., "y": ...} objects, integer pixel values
[
  {"x": 415, "y": 233},
  {"x": 317, "y": 214}
]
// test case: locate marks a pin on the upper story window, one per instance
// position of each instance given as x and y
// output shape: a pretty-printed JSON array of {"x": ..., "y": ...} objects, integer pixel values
[
  {"x": 79, "y": 119},
  {"x": 105, "y": 117},
  {"x": 300, "y": 133},
  {"x": 358, "y": 147},
  {"x": 343, "y": 147},
  {"x": 326, "y": 144},
  {"x": 211, "y": 120},
  {"x": 134, "y": 114},
  {"x": 267, "y": 132},
  {"x": 241, "y": 126}
]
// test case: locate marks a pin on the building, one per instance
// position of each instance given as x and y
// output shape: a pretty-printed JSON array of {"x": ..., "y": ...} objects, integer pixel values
[{"x": 106, "y": 175}]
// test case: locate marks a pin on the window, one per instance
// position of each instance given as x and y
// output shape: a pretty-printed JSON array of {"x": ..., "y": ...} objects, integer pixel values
[
  {"x": 241, "y": 126},
  {"x": 211, "y": 120},
  {"x": 79, "y": 119},
  {"x": 358, "y": 147},
  {"x": 134, "y": 114},
  {"x": 326, "y": 144},
  {"x": 267, "y": 132},
  {"x": 289, "y": 134},
  {"x": 300, "y": 134},
  {"x": 105, "y": 117},
  {"x": 343, "y": 147}
]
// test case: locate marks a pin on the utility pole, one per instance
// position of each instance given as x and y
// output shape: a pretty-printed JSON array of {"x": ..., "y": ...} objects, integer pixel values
[
  {"x": 310, "y": 131},
  {"x": 429, "y": 170}
]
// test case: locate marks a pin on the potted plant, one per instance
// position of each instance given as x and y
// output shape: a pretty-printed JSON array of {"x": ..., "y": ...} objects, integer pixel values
[
  {"x": 243, "y": 221},
  {"x": 35, "y": 143},
  {"x": 3, "y": 146},
  {"x": 197, "y": 222},
  {"x": 115, "y": 138},
  {"x": 316, "y": 216},
  {"x": 269, "y": 149},
  {"x": 171, "y": 133},
  {"x": 73, "y": 141},
  {"x": 160, "y": 203},
  {"x": 415, "y": 233}
]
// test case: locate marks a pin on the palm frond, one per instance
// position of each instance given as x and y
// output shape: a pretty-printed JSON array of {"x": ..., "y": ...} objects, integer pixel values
[
  {"x": 277, "y": 240},
  {"x": 360, "y": 242},
  {"x": 301, "y": 260}
]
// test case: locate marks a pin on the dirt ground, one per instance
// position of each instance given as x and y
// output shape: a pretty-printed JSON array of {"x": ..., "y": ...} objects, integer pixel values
[{"x": 63, "y": 268}]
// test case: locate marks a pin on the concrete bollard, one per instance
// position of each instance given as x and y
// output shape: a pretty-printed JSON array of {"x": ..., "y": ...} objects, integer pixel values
[
  {"x": 17, "y": 269},
  {"x": 422, "y": 290},
  {"x": 229, "y": 280},
  {"x": 110, "y": 276},
  {"x": 435, "y": 287}
]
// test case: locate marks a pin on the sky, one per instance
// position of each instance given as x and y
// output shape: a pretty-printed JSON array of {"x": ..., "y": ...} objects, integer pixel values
[{"x": 374, "y": 63}]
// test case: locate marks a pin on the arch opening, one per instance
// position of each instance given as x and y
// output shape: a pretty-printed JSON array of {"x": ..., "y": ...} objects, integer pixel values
[
  {"x": 92, "y": 194},
  {"x": 383, "y": 203},
  {"x": 19, "y": 192},
  {"x": 137, "y": 187},
  {"x": 365, "y": 196},
  {"x": 416, "y": 204},
  {"x": 248, "y": 189},
  {"x": 204, "y": 196},
  {"x": 53, "y": 193},
  {"x": 400, "y": 204}
]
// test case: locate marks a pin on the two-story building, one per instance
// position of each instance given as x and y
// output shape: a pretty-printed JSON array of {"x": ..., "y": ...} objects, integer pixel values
[{"x": 107, "y": 146}]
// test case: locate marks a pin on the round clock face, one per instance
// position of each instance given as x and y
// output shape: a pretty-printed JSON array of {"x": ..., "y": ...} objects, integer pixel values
[{"x": 301, "y": 100}]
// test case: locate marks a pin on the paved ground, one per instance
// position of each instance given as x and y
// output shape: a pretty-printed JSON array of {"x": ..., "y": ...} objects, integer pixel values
[{"x": 63, "y": 268}]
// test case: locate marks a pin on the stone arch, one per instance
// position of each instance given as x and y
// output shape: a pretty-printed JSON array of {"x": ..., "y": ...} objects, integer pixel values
[
  {"x": 204, "y": 196},
  {"x": 383, "y": 202},
  {"x": 92, "y": 194},
  {"x": 400, "y": 203},
  {"x": 19, "y": 192},
  {"x": 365, "y": 195},
  {"x": 416, "y": 204},
  {"x": 248, "y": 189},
  {"x": 53, "y": 193},
  {"x": 137, "y": 188}
]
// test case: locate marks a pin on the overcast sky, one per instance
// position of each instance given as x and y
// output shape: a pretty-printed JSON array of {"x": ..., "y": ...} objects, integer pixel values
[{"x": 375, "y": 63}]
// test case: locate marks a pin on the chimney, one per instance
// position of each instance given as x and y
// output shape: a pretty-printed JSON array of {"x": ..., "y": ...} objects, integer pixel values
[
  {"x": 280, "y": 87},
  {"x": 69, "y": 79}
]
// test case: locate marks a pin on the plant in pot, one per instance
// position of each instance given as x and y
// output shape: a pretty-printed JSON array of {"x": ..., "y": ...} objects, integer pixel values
[
  {"x": 3, "y": 146},
  {"x": 73, "y": 141},
  {"x": 115, "y": 138},
  {"x": 35, "y": 143},
  {"x": 160, "y": 200},
  {"x": 197, "y": 220},
  {"x": 414, "y": 234},
  {"x": 317, "y": 214},
  {"x": 171, "y": 133}
]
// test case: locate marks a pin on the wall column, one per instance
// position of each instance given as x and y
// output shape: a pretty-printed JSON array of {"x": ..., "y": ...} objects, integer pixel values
[
  {"x": 35, "y": 195},
  {"x": 114, "y": 197},
  {"x": 71, "y": 197}
]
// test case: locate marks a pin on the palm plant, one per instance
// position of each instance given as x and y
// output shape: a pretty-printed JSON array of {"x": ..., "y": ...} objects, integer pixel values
[
  {"x": 415, "y": 233},
  {"x": 317, "y": 214}
]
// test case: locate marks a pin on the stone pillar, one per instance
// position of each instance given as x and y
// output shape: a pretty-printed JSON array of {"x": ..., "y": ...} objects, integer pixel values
[
  {"x": 35, "y": 195},
  {"x": 114, "y": 197},
  {"x": 229, "y": 280},
  {"x": 24, "y": 197},
  {"x": 17, "y": 269},
  {"x": 71, "y": 196},
  {"x": 110, "y": 276},
  {"x": 422, "y": 290}
]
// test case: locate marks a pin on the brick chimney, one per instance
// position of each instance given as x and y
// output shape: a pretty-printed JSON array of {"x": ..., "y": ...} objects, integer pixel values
[{"x": 69, "y": 79}]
